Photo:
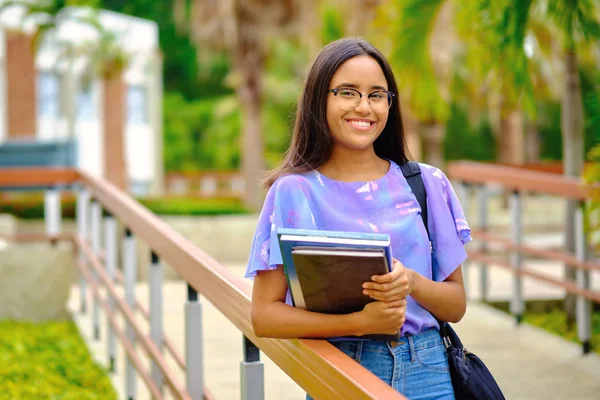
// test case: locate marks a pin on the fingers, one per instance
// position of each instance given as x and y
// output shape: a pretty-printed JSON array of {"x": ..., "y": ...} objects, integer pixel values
[
  {"x": 400, "y": 282},
  {"x": 398, "y": 293},
  {"x": 397, "y": 271},
  {"x": 400, "y": 303}
]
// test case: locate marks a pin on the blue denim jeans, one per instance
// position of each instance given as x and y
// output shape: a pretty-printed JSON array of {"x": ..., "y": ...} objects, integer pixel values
[{"x": 417, "y": 366}]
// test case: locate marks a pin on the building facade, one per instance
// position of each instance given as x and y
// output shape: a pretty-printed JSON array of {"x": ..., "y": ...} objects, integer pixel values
[{"x": 66, "y": 87}]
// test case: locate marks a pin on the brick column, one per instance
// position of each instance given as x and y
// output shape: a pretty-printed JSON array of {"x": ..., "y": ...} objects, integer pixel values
[
  {"x": 114, "y": 131},
  {"x": 21, "y": 86}
]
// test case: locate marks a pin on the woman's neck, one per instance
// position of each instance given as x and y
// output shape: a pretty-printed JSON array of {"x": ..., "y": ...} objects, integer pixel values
[{"x": 349, "y": 165}]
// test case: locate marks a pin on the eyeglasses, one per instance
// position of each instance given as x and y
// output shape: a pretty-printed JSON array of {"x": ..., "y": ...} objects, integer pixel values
[{"x": 348, "y": 99}]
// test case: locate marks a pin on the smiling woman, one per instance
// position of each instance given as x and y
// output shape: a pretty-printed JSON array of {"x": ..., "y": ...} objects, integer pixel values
[{"x": 342, "y": 173}]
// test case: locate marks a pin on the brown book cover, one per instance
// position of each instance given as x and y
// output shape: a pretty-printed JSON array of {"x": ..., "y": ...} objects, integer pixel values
[{"x": 330, "y": 279}]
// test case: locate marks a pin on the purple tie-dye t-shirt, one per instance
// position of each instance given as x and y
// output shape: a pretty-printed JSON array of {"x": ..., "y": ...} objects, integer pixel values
[{"x": 385, "y": 205}]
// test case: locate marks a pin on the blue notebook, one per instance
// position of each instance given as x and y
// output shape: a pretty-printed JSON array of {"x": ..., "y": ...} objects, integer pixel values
[{"x": 325, "y": 270}]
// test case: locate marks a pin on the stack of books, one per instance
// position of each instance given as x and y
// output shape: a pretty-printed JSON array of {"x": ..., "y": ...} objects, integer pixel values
[{"x": 325, "y": 270}]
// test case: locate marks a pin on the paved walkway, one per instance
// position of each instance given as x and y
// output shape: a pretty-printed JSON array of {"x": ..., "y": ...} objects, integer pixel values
[{"x": 528, "y": 363}]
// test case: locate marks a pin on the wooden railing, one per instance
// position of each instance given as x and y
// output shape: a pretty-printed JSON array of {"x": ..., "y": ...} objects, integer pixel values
[
  {"x": 317, "y": 366},
  {"x": 522, "y": 182}
]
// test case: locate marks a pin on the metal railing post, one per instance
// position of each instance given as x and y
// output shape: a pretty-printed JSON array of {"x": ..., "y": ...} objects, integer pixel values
[
  {"x": 252, "y": 374},
  {"x": 194, "y": 354},
  {"x": 584, "y": 307},
  {"x": 156, "y": 313},
  {"x": 96, "y": 220},
  {"x": 483, "y": 226},
  {"x": 517, "y": 306},
  {"x": 52, "y": 212},
  {"x": 129, "y": 263},
  {"x": 110, "y": 261},
  {"x": 83, "y": 203}
]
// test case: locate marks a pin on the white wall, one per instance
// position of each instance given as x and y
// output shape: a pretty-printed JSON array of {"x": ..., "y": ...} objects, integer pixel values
[{"x": 3, "y": 89}]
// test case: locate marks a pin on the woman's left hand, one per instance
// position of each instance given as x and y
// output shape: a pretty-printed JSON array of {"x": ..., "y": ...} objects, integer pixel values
[{"x": 392, "y": 286}]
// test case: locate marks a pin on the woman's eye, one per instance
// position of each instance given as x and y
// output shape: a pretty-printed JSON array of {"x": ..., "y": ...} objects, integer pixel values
[
  {"x": 377, "y": 95},
  {"x": 347, "y": 93}
]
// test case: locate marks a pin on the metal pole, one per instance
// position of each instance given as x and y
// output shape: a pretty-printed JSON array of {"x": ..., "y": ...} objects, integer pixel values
[
  {"x": 156, "y": 314},
  {"x": 83, "y": 202},
  {"x": 129, "y": 263},
  {"x": 584, "y": 308},
  {"x": 52, "y": 212},
  {"x": 96, "y": 211},
  {"x": 194, "y": 355},
  {"x": 517, "y": 306},
  {"x": 483, "y": 226},
  {"x": 110, "y": 239},
  {"x": 252, "y": 374}
]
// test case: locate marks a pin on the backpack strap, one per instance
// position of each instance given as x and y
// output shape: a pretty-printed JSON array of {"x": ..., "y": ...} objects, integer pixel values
[{"x": 412, "y": 173}]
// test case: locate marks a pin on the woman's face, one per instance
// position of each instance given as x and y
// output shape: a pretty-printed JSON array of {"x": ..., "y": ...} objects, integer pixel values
[{"x": 356, "y": 128}]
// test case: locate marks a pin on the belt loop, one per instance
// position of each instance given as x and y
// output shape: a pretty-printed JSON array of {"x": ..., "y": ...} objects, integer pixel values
[
  {"x": 411, "y": 344},
  {"x": 359, "y": 349}
]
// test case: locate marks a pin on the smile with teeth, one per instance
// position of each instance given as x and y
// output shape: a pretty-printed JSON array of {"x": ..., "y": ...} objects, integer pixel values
[{"x": 360, "y": 124}]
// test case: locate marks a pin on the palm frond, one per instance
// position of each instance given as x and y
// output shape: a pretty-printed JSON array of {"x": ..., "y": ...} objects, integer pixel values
[
  {"x": 577, "y": 19},
  {"x": 411, "y": 58}
]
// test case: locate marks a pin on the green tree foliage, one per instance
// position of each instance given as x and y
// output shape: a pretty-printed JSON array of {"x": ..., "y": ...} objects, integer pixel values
[
  {"x": 467, "y": 141},
  {"x": 203, "y": 122}
]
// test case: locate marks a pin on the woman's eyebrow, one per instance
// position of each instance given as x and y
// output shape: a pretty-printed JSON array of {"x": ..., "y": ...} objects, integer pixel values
[
  {"x": 348, "y": 85},
  {"x": 355, "y": 86}
]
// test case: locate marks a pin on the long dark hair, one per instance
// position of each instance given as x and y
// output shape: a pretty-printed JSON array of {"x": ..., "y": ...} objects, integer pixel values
[{"x": 311, "y": 139}]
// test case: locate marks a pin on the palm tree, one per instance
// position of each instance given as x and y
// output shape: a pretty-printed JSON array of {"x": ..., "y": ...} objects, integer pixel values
[
  {"x": 242, "y": 29},
  {"x": 421, "y": 41},
  {"x": 577, "y": 23}
]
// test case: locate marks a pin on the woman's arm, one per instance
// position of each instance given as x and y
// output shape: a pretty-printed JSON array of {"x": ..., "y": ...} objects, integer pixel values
[
  {"x": 446, "y": 300},
  {"x": 271, "y": 317}
]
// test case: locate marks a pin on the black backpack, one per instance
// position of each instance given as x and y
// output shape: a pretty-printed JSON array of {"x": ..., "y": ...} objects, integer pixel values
[{"x": 471, "y": 379}]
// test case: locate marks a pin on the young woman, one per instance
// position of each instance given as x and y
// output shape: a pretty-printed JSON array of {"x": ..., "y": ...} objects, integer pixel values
[{"x": 342, "y": 173}]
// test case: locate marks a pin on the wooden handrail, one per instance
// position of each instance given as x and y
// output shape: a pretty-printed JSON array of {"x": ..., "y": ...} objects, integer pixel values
[
  {"x": 517, "y": 179},
  {"x": 24, "y": 177},
  {"x": 507, "y": 244},
  {"x": 314, "y": 366},
  {"x": 568, "y": 286}
]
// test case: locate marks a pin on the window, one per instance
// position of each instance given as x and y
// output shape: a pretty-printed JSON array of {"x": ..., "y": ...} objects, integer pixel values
[
  {"x": 137, "y": 105},
  {"x": 48, "y": 100},
  {"x": 86, "y": 108}
]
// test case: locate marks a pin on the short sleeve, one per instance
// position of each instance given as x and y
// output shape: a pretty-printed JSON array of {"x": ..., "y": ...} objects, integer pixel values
[
  {"x": 448, "y": 226},
  {"x": 285, "y": 206}
]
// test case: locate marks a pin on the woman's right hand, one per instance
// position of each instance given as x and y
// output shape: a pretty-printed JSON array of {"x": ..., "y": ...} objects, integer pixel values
[{"x": 380, "y": 317}]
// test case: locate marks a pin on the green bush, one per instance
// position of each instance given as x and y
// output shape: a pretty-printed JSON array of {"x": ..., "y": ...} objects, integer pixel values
[
  {"x": 48, "y": 361},
  {"x": 192, "y": 206},
  {"x": 555, "y": 321},
  {"x": 33, "y": 207}
]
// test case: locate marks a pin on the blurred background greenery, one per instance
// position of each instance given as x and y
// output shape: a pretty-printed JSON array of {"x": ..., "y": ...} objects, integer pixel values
[{"x": 472, "y": 67}]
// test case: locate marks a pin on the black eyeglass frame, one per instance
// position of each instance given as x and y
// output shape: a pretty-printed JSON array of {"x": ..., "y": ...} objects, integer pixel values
[{"x": 391, "y": 95}]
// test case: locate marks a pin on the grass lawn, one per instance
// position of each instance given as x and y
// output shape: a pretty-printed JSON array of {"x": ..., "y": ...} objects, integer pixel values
[
  {"x": 555, "y": 322},
  {"x": 48, "y": 361}
]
